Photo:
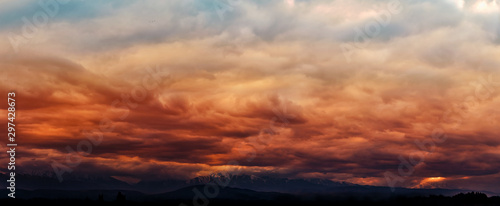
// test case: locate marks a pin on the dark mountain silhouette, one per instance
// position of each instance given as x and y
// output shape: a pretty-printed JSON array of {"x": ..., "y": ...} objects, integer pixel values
[
  {"x": 234, "y": 196},
  {"x": 223, "y": 193},
  {"x": 78, "y": 187},
  {"x": 272, "y": 184},
  {"x": 106, "y": 195}
]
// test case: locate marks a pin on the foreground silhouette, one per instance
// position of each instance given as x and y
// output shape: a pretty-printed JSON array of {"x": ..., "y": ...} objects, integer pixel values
[{"x": 471, "y": 198}]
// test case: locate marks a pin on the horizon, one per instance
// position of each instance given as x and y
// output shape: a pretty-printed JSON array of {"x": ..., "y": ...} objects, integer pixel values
[{"x": 267, "y": 184}]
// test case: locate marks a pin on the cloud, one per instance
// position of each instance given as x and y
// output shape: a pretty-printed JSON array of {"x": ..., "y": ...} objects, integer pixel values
[{"x": 267, "y": 85}]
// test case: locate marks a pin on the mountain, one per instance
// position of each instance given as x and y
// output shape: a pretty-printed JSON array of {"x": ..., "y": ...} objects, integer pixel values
[
  {"x": 198, "y": 195},
  {"x": 108, "y": 195},
  {"x": 312, "y": 186},
  {"x": 228, "y": 193},
  {"x": 50, "y": 182},
  {"x": 272, "y": 184}
]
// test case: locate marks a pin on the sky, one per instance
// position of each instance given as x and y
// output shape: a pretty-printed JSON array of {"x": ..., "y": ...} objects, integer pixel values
[{"x": 362, "y": 91}]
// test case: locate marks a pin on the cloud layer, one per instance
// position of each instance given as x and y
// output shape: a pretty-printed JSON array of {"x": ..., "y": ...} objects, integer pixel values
[{"x": 189, "y": 87}]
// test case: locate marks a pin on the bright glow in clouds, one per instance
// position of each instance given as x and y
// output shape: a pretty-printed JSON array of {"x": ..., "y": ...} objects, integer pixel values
[{"x": 486, "y": 6}]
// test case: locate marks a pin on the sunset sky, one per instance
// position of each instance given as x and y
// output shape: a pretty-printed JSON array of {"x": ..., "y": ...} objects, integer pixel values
[{"x": 187, "y": 88}]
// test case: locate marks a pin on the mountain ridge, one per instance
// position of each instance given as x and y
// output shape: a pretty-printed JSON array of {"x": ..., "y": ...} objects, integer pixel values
[{"x": 243, "y": 181}]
